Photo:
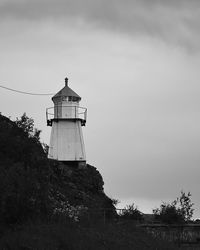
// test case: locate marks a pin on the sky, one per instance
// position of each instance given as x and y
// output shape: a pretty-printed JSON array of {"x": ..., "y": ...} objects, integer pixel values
[{"x": 136, "y": 66}]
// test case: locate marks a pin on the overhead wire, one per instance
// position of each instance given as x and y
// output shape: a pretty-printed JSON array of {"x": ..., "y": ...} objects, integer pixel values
[{"x": 26, "y": 93}]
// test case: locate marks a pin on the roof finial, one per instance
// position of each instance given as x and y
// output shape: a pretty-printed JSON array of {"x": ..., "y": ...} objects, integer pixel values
[{"x": 66, "y": 81}]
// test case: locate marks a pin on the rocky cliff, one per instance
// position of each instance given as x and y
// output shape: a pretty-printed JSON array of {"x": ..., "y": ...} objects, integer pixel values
[{"x": 32, "y": 186}]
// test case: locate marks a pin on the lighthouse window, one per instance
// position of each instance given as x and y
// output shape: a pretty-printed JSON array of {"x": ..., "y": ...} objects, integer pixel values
[
  {"x": 64, "y": 98},
  {"x": 72, "y": 99}
]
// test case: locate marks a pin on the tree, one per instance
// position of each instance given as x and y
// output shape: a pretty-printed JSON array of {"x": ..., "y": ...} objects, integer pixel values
[
  {"x": 131, "y": 212},
  {"x": 27, "y": 125},
  {"x": 186, "y": 205},
  {"x": 115, "y": 202},
  {"x": 168, "y": 213},
  {"x": 178, "y": 211}
]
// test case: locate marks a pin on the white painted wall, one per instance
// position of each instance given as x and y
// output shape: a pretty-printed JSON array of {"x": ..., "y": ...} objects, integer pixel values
[
  {"x": 66, "y": 109},
  {"x": 70, "y": 109},
  {"x": 66, "y": 142}
]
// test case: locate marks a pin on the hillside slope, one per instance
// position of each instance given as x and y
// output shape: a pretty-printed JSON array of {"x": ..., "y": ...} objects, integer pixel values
[
  {"x": 32, "y": 186},
  {"x": 46, "y": 204}
]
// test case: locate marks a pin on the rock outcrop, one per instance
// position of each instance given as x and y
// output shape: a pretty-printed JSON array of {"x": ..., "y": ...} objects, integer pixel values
[{"x": 33, "y": 186}]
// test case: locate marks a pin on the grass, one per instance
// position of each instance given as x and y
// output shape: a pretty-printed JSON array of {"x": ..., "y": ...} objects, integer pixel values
[{"x": 70, "y": 236}]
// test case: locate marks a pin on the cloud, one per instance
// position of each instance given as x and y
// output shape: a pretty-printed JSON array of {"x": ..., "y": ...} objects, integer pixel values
[{"x": 176, "y": 22}]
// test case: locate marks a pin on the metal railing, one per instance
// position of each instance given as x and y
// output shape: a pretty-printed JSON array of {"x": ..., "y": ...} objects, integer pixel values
[{"x": 65, "y": 112}]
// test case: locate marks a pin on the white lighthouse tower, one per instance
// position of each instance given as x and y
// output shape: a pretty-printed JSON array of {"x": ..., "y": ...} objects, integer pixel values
[{"x": 67, "y": 119}]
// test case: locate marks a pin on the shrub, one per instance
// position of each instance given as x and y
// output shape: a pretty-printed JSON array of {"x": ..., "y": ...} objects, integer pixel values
[
  {"x": 131, "y": 212},
  {"x": 178, "y": 211}
]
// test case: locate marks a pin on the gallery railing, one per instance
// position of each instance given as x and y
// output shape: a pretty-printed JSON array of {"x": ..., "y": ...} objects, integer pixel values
[{"x": 59, "y": 112}]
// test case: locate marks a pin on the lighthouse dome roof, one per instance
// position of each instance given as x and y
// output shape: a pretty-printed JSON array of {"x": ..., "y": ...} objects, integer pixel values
[{"x": 65, "y": 92}]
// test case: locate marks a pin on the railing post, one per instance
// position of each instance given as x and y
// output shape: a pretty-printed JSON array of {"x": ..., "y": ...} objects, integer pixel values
[
  {"x": 75, "y": 111},
  {"x": 46, "y": 114}
]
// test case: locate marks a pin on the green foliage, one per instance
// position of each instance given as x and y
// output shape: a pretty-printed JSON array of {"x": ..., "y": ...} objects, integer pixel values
[
  {"x": 29, "y": 182},
  {"x": 131, "y": 212},
  {"x": 178, "y": 211},
  {"x": 186, "y": 205},
  {"x": 21, "y": 194},
  {"x": 168, "y": 213},
  {"x": 115, "y": 202},
  {"x": 77, "y": 237},
  {"x": 81, "y": 186},
  {"x": 23, "y": 172},
  {"x": 27, "y": 125},
  {"x": 29, "y": 188}
]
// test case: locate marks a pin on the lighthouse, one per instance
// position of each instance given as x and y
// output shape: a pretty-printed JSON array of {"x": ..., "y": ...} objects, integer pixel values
[{"x": 66, "y": 119}]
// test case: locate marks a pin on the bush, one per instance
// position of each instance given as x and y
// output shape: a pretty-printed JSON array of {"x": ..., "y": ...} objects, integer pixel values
[
  {"x": 131, "y": 212},
  {"x": 23, "y": 172},
  {"x": 178, "y": 211}
]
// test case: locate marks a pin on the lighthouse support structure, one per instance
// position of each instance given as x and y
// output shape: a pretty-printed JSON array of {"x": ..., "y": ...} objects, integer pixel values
[{"x": 67, "y": 119}]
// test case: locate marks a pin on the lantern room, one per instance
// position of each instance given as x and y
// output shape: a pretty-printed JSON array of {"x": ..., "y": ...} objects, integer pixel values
[{"x": 66, "y": 106}]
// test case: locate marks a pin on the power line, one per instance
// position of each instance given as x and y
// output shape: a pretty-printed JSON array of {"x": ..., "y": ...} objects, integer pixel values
[{"x": 23, "y": 92}]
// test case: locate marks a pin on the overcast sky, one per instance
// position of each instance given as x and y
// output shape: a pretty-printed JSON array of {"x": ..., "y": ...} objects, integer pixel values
[{"x": 136, "y": 65}]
